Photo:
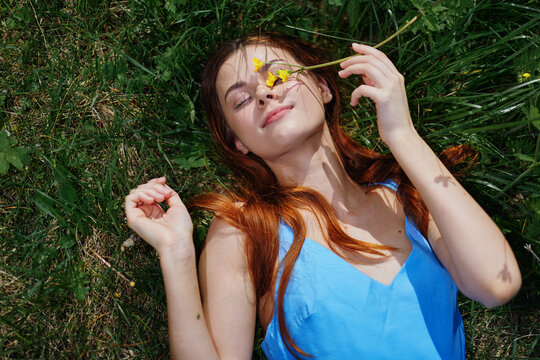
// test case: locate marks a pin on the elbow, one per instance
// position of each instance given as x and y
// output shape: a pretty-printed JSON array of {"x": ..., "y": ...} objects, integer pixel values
[{"x": 501, "y": 293}]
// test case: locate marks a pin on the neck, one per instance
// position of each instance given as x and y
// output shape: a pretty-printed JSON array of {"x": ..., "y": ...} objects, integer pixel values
[{"x": 316, "y": 164}]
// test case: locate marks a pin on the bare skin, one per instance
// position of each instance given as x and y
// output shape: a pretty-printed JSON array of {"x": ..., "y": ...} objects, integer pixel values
[{"x": 299, "y": 150}]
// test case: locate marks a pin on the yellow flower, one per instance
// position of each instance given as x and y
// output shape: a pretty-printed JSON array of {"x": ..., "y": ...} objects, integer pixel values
[
  {"x": 271, "y": 79},
  {"x": 283, "y": 74},
  {"x": 258, "y": 63},
  {"x": 526, "y": 75}
]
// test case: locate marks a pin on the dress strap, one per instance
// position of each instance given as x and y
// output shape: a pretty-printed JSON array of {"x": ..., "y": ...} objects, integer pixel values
[
  {"x": 389, "y": 183},
  {"x": 411, "y": 229}
]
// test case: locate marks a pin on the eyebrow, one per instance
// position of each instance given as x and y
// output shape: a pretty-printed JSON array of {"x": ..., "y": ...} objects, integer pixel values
[
  {"x": 240, "y": 84},
  {"x": 265, "y": 67},
  {"x": 234, "y": 87}
]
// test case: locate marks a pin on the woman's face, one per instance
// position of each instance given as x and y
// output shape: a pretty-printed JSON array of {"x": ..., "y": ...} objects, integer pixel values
[{"x": 269, "y": 121}]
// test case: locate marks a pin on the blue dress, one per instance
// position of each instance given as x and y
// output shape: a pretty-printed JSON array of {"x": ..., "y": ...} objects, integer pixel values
[{"x": 334, "y": 311}]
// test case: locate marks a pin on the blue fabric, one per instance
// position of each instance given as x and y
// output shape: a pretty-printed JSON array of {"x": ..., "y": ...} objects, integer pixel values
[{"x": 334, "y": 311}]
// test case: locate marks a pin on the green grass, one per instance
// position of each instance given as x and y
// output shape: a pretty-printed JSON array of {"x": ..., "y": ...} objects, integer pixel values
[{"x": 103, "y": 95}]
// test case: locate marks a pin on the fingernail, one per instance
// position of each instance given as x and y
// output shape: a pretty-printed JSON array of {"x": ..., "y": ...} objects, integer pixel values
[{"x": 355, "y": 44}]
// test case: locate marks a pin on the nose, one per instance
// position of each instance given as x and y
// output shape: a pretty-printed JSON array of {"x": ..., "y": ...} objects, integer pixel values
[{"x": 264, "y": 94}]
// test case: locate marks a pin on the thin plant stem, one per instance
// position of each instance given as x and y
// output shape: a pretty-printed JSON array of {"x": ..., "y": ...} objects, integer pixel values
[
  {"x": 335, "y": 62},
  {"x": 131, "y": 283}
]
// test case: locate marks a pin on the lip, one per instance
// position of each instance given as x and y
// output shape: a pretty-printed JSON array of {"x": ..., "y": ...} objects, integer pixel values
[{"x": 276, "y": 114}]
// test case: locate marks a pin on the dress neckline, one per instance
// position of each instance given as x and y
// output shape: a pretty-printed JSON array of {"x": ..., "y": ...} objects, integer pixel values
[{"x": 336, "y": 257}]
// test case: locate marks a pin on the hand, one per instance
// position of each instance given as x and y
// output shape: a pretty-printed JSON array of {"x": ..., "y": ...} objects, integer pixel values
[
  {"x": 385, "y": 86},
  {"x": 165, "y": 231}
]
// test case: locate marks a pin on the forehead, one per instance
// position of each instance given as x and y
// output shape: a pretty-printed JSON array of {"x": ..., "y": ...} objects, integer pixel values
[{"x": 239, "y": 65}]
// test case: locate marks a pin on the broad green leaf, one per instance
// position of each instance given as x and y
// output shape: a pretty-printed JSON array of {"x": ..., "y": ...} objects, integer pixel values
[
  {"x": 465, "y": 3},
  {"x": 78, "y": 282},
  {"x": 13, "y": 156},
  {"x": 420, "y": 4},
  {"x": 66, "y": 192},
  {"x": 45, "y": 203},
  {"x": 22, "y": 153},
  {"x": 79, "y": 289},
  {"x": 170, "y": 6},
  {"x": 524, "y": 157},
  {"x": 533, "y": 229},
  {"x": 431, "y": 23},
  {"x": 66, "y": 242},
  {"x": 5, "y": 141},
  {"x": 335, "y": 2},
  {"x": 4, "y": 164},
  {"x": 534, "y": 116},
  {"x": 534, "y": 204},
  {"x": 189, "y": 163}
]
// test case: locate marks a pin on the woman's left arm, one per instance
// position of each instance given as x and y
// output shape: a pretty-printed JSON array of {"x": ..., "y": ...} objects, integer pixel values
[{"x": 465, "y": 239}]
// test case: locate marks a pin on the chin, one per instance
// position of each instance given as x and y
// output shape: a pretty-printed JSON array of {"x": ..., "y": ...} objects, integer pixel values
[{"x": 293, "y": 134}]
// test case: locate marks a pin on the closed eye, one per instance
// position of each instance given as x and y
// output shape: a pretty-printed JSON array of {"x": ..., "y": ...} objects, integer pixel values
[{"x": 242, "y": 102}]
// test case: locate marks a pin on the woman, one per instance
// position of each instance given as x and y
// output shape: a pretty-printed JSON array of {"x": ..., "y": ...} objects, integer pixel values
[{"x": 341, "y": 252}]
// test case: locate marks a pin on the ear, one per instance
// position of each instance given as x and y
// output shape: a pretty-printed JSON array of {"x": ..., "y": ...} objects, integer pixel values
[
  {"x": 326, "y": 93},
  {"x": 240, "y": 146}
]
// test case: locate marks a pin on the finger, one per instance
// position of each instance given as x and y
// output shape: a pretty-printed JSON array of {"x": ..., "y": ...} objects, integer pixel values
[
  {"x": 368, "y": 50},
  {"x": 370, "y": 70},
  {"x": 368, "y": 59},
  {"x": 135, "y": 216},
  {"x": 368, "y": 81},
  {"x": 168, "y": 187},
  {"x": 365, "y": 91},
  {"x": 130, "y": 203},
  {"x": 375, "y": 52},
  {"x": 160, "y": 180},
  {"x": 159, "y": 188},
  {"x": 156, "y": 187},
  {"x": 145, "y": 198},
  {"x": 131, "y": 207},
  {"x": 173, "y": 199},
  {"x": 154, "y": 194}
]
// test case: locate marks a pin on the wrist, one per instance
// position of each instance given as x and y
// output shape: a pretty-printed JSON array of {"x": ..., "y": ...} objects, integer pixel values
[
  {"x": 403, "y": 141},
  {"x": 181, "y": 250}
]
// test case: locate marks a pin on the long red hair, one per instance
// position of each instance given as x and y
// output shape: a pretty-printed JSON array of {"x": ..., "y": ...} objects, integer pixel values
[{"x": 265, "y": 202}]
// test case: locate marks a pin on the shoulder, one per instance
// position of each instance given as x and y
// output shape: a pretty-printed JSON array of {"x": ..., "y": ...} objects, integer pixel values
[
  {"x": 223, "y": 236},
  {"x": 228, "y": 295},
  {"x": 223, "y": 261},
  {"x": 225, "y": 244},
  {"x": 223, "y": 267}
]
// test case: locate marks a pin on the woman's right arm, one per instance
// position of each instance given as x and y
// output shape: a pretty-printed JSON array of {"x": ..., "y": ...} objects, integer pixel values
[{"x": 224, "y": 329}]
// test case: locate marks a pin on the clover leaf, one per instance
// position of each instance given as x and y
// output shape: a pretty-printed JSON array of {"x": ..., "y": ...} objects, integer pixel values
[{"x": 16, "y": 156}]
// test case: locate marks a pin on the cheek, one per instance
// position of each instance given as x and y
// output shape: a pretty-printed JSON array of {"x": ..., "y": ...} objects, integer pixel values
[
  {"x": 242, "y": 126},
  {"x": 311, "y": 103},
  {"x": 308, "y": 92}
]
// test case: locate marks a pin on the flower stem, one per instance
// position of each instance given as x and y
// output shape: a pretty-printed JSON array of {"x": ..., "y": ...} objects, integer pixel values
[
  {"x": 402, "y": 29},
  {"x": 335, "y": 62}
]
